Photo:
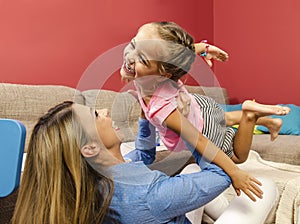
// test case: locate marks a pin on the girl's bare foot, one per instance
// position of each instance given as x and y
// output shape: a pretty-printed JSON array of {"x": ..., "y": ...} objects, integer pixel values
[
  {"x": 264, "y": 110},
  {"x": 274, "y": 125}
]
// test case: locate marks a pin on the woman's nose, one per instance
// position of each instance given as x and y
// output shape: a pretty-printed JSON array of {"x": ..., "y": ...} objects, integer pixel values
[{"x": 104, "y": 112}]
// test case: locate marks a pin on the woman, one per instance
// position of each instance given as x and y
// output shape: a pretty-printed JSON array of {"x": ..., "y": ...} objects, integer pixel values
[{"x": 60, "y": 183}]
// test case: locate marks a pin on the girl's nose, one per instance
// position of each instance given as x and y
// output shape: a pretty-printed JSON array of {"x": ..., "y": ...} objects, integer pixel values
[
  {"x": 129, "y": 55},
  {"x": 130, "y": 58}
]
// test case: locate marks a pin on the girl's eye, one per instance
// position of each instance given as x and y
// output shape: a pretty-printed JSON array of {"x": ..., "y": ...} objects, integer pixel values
[
  {"x": 132, "y": 45},
  {"x": 96, "y": 113}
]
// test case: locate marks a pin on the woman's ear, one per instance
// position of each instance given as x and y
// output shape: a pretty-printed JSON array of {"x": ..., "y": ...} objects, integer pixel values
[{"x": 90, "y": 150}]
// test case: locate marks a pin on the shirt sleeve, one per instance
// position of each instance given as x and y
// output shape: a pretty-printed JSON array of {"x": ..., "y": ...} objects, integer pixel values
[
  {"x": 175, "y": 196},
  {"x": 145, "y": 144}
]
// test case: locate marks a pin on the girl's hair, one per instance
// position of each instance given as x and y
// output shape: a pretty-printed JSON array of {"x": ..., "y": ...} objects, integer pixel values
[
  {"x": 180, "y": 46},
  {"x": 58, "y": 185}
]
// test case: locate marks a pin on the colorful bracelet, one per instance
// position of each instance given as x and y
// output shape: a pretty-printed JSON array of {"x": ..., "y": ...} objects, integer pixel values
[{"x": 203, "y": 54}]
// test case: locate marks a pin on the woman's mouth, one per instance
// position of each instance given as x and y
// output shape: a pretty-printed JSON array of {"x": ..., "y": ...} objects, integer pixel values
[
  {"x": 118, "y": 131},
  {"x": 115, "y": 127}
]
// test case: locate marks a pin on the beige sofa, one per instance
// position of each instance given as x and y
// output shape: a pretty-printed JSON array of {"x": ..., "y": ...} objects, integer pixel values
[{"x": 278, "y": 160}]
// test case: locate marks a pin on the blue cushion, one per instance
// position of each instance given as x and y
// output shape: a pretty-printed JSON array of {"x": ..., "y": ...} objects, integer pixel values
[
  {"x": 12, "y": 140},
  {"x": 290, "y": 122},
  {"x": 231, "y": 107}
]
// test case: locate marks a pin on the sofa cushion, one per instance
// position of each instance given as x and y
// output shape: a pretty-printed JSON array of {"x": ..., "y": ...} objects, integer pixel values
[
  {"x": 217, "y": 93},
  {"x": 27, "y": 103},
  {"x": 285, "y": 149},
  {"x": 290, "y": 122}
]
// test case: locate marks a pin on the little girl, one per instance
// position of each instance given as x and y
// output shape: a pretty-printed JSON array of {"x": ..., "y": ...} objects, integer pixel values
[{"x": 156, "y": 59}]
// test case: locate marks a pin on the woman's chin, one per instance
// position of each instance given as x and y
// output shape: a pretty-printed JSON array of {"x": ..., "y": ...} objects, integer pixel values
[{"x": 120, "y": 134}]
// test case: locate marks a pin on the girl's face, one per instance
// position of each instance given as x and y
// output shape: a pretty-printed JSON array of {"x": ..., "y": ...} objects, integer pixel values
[
  {"x": 98, "y": 124},
  {"x": 141, "y": 56}
]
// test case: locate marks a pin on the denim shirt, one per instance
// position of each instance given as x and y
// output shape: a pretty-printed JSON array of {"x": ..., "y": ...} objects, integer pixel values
[
  {"x": 145, "y": 196},
  {"x": 145, "y": 144}
]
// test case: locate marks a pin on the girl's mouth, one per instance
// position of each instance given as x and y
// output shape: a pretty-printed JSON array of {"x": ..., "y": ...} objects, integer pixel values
[{"x": 127, "y": 68}]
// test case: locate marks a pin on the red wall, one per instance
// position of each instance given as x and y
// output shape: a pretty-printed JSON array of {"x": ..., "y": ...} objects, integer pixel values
[
  {"x": 263, "y": 40},
  {"x": 54, "y": 41}
]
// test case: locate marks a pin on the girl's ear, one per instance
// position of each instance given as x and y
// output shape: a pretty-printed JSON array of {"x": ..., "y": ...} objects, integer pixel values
[
  {"x": 168, "y": 75},
  {"x": 163, "y": 72},
  {"x": 90, "y": 150},
  {"x": 161, "y": 69}
]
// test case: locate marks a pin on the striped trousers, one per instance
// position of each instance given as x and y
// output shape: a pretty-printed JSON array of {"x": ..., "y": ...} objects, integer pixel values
[{"x": 214, "y": 124}]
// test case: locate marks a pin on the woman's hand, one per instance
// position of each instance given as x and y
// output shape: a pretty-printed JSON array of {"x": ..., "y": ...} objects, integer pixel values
[
  {"x": 183, "y": 103},
  {"x": 242, "y": 180}
]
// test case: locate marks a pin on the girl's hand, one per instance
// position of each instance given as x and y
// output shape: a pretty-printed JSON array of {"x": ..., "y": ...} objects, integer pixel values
[
  {"x": 216, "y": 54},
  {"x": 242, "y": 180},
  {"x": 212, "y": 51}
]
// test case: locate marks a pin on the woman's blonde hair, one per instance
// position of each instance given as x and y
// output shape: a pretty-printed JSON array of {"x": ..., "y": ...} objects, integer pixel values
[
  {"x": 58, "y": 185},
  {"x": 180, "y": 49}
]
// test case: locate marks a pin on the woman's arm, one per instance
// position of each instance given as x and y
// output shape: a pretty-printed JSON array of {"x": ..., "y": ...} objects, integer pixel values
[
  {"x": 170, "y": 197},
  {"x": 145, "y": 141},
  {"x": 241, "y": 180},
  {"x": 145, "y": 145}
]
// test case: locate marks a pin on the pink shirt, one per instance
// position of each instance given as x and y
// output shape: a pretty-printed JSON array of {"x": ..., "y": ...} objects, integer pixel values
[{"x": 162, "y": 103}]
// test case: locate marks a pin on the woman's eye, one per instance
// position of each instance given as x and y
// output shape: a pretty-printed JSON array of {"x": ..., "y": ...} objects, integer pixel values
[
  {"x": 96, "y": 113},
  {"x": 142, "y": 59}
]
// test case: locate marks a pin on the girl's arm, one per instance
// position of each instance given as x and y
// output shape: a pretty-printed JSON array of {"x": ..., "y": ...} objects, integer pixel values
[{"x": 241, "y": 180}]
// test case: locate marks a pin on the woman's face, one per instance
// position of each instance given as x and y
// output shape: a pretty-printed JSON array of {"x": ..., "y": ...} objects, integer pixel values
[
  {"x": 98, "y": 123},
  {"x": 142, "y": 54}
]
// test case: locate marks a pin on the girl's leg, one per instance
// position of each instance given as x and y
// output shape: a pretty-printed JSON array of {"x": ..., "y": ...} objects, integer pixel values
[
  {"x": 243, "y": 137},
  {"x": 273, "y": 124},
  {"x": 233, "y": 117},
  {"x": 251, "y": 114},
  {"x": 243, "y": 210}
]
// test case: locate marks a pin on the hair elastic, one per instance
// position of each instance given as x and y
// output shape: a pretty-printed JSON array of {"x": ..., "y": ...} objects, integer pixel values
[{"x": 204, "y": 54}]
